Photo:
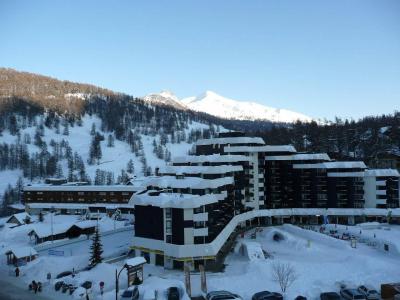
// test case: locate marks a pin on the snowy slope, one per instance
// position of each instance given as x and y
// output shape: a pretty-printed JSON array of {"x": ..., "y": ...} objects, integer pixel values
[
  {"x": 114, "y": 159},
  {"x": 219, "y": 106}
]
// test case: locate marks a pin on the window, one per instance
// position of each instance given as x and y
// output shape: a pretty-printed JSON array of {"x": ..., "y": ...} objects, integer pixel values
[{"x": 168, "y": 213}]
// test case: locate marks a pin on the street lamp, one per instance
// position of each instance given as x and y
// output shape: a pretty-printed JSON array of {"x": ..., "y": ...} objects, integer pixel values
[
  {"x": 51, "y": 217},
  {"x": 117, "y": 280}
]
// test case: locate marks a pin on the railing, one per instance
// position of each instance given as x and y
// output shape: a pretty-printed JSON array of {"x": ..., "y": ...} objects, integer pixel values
[{"x": 212, "y": 249}]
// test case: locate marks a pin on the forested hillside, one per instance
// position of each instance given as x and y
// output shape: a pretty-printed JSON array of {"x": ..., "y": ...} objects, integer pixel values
[
  {"x": 52, "y": 128},
  {"x": 344, "y": 139}
]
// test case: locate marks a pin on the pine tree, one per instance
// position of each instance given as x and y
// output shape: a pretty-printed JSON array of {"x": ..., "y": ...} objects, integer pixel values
[
  {"x": 93, "y": 130},
  {"x": 41, "y": 216},
  {"x": 110, "y": 141},
  {"x": 96, "y": 250},
  {"x": 66, "y": 129},
  {"x": 130, "y": 167}
]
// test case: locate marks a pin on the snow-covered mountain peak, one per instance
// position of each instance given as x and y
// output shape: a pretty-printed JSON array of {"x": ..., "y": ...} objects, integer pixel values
[
  {"x": 217, "y": 105},
  {"x": 165, "y": 98},
  {"x": 214, "y": 104}
]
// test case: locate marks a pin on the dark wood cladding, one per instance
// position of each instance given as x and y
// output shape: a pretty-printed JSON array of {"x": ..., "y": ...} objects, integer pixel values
[
  {"x": 149, "y": 222},
  {"x": 120, "y": 197}
]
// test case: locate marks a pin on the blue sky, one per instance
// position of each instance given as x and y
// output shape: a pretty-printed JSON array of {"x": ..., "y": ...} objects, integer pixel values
[{"x": 321, "y": 58}]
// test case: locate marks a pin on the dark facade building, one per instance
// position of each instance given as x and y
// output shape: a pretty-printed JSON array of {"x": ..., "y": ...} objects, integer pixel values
[
  {"x": 77, "y": 199},
  {"x": 197, "y": 201}
]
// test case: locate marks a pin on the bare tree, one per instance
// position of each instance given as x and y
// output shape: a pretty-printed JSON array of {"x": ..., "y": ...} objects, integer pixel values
[{"x": 284, "y": 274}]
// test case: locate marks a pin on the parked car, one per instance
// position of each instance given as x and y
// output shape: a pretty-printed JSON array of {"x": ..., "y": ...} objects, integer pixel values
[
  {"x": 173, "y": 293},
  {"x": 329, "y": 296},
  {"x": 352, "y": 294},
  {"x": 87, "y": 285},
  {"x": 369, "y": 292},
  {"x": 65, "y": 287},
  {"x": 64, "y": 274},
  {"x": 300, "y": 298},
  {"x": 132, "y": 293},
  {"x": 267, "y": 295},
  {"x": 222, "y": 295},
  {"x": 58, "y": 285}
]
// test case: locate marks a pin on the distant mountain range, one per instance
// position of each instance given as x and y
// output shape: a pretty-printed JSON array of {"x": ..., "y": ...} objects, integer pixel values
[{"x": 211, "y": 103}]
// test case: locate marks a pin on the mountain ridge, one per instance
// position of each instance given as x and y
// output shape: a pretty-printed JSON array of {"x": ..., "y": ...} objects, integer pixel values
[{"x": 219, "y": 106}]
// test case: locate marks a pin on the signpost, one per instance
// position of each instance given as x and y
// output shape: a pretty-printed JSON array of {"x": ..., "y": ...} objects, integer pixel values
[
  {"x": 187, "y": 280},
  {"x": 203, "y": 279}
]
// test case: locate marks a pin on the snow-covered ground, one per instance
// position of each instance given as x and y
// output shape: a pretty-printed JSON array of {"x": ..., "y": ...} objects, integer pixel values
[
  {"x": 114, "y": 159},
  {"x": 320, "y": 261}
]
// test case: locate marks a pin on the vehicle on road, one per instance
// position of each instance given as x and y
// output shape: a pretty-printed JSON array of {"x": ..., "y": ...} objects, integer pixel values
[
  {"x": 329, "y": 296},
  {"x": 267, "y": 295},
  {"x": 369, "y": 292},
  {"x": 222, "y": 295},
  {"x": 173, "y": 293},
  {"x": 132, "y": 293},
  {"x": 352, "y": 294},
  {"x": 64, "y": 274},
  {"x": 58, "y": 285}
]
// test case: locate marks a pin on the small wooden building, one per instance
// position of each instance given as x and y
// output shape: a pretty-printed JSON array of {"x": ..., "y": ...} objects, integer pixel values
[
  {"x": 19, "y": 219},
  {"x": 18, "y": 256}
]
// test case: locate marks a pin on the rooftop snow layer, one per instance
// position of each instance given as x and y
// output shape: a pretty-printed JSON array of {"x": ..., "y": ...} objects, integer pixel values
[
  {"x": 21, "y": 252},
  {"x": 333, "y": 165},
  {"x": 188, "y": 182},
  {"x": 222, "y": 169},
  {"x": 214, "y": 158},
  {"x": 267, "y": 148},
  {"x": 135, "y": 261},
  {"x": 300, "y": 156},
  {"x": 231, "y": 140},
  {"x": 83, "y": 188},
  {"x": 176, "y": 200},
  {"x": 21, "y": 217},
  {"x": 382, "y": 172}
]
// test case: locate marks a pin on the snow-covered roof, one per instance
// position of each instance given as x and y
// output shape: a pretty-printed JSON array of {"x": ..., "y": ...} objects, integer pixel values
[
  {"x": 78, "y": 205},
  {"x": 266, "y": 148},
  {"x": 231, "y": 140},
  {"x": 82, "y": 188},
  {"x": 17, "y": 206},
  {"x": 43, "y": 230},
  {"x": 222, "y": 169},
  {"x": 214, "y": 158},
  {"x": 20, "y": 217},
  {"x": 300, "y": 156},
  {"x": 188, "y": 182},
  {"x": 24, "y": 251},
  {"x": 382, "y": 172},
  {"x": 346, "y": 174},
  {"x": 135, "y": 261},
  {"x": 333, "y": 165},
  {"x": 176, "y": 200}
]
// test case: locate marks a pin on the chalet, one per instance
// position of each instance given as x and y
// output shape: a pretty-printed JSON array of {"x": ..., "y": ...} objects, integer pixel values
[
  {"x": 19, "y": 219},
  {"x": 18, "y": 256}
]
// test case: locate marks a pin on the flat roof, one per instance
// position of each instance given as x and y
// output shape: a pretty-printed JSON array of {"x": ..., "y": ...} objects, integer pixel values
[
  {"x": 333, "y": 165},
  {"x": 213, "y": 158},
  {"x": 382, "y": 172},
  {"x": 266, "y": 148},
  {"x": 188, "y": 182},
  {"x": 221, "y": 169},
  {"x": 231, "y": 140},
  {"x": 300, "y": 156},
  {"x": 176, "y": 200},
  {"x": 81, "y": 188}
]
